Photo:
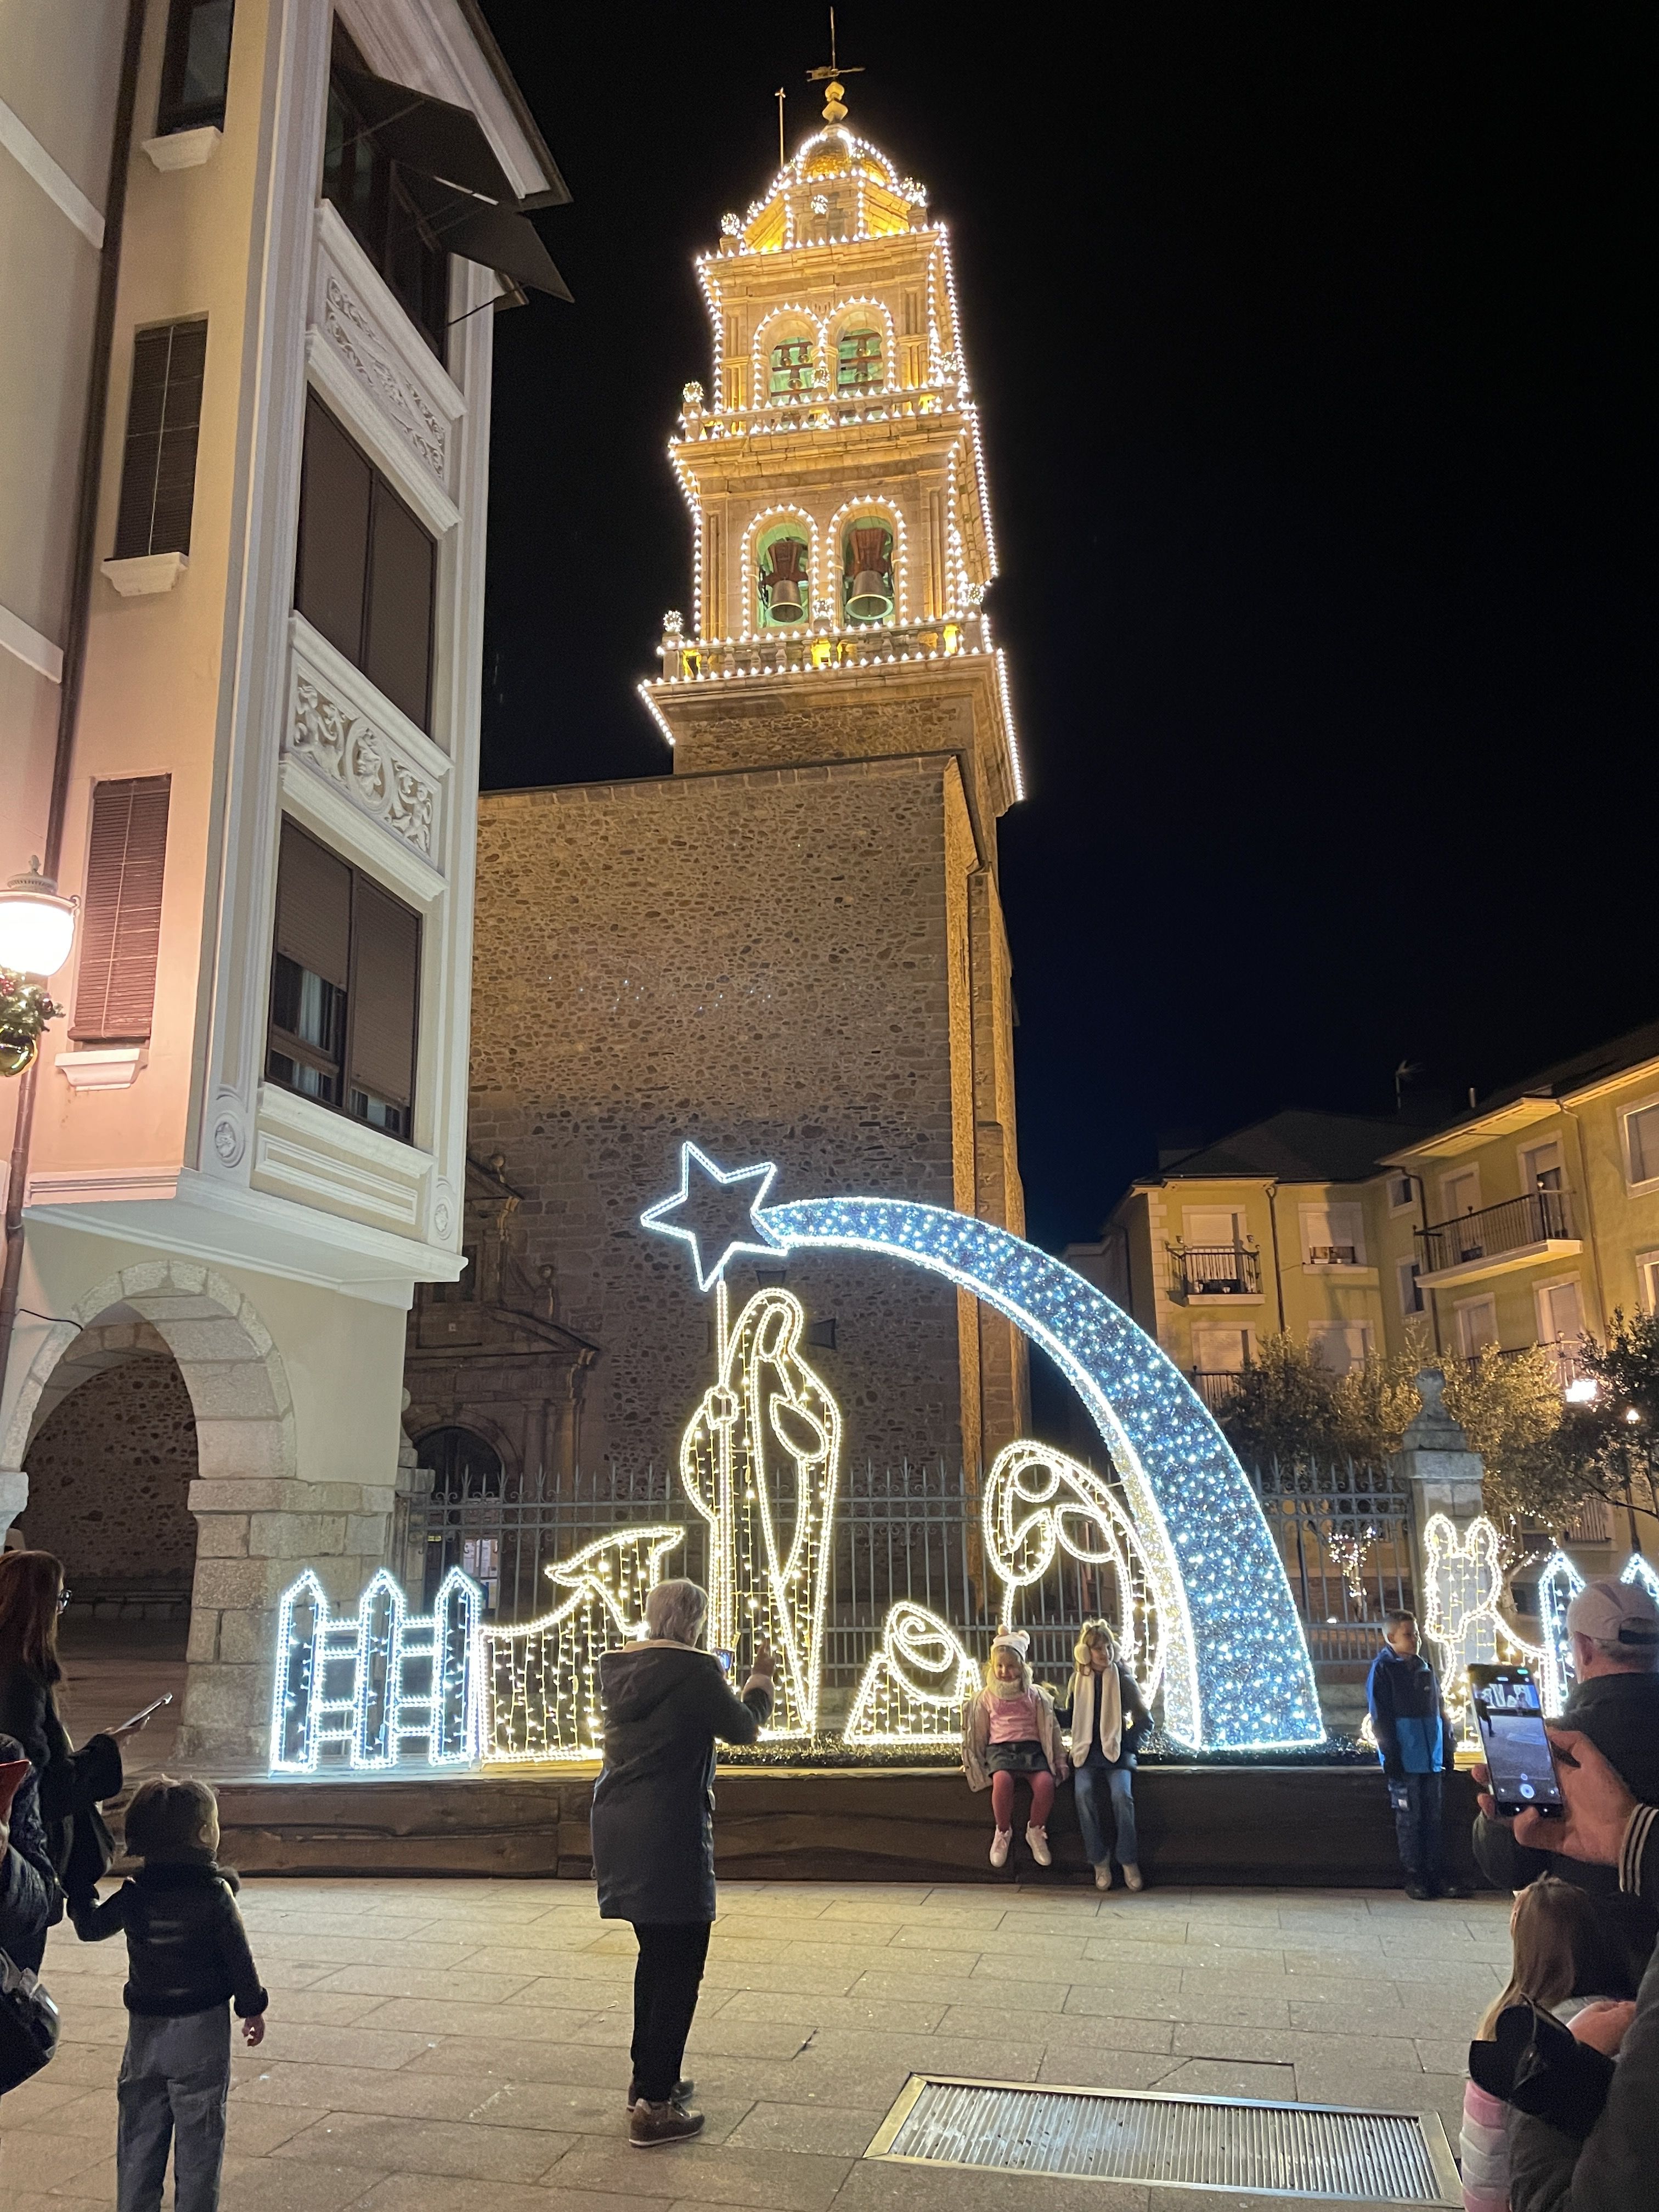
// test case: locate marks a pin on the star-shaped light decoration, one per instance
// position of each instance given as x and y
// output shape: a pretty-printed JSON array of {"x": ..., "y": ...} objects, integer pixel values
[{"x": 716, "y": 1212}]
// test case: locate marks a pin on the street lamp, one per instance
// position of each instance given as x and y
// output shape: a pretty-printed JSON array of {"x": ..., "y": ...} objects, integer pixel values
[{"x": 37, "y": 932}]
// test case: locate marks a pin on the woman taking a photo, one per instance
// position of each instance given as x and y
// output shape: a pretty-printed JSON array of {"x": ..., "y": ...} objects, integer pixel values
[
  {"x": 665, "y": 1700},
  {"x": 72, "y": 1783}
]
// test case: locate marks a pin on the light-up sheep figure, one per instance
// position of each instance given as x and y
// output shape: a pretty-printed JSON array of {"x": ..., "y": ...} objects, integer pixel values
[
  {"x": 375, "y": 1680},
  {"x": 916, "y": 1684},
  {"x": 1039, "y": 1502},
  {"x": 543, "y": 1674},
  {"x": 1465, "y": 1581},
  {"x": 760, "y": 1462}
]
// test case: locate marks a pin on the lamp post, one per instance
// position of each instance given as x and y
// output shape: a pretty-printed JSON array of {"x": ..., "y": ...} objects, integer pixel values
[{"x": 37, "y": 934}]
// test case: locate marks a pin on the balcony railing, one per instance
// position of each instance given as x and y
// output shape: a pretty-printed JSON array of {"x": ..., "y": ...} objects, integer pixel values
[
  {"x": 821, "y": 645},
  {"x": 1536, "y": 1218},
  {"x": 821, "y": 407},
  {"x": 1217, "y": 1271},
  {"x": 1217, "y": 1386}
]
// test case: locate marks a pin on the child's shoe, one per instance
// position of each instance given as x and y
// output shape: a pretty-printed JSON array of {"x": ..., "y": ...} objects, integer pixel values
[
  {"x": 1132, "y": 1878},
  {"x": 1000, "y": 1843},
  {"x": 1103, "y": 1874},
  {"x": 1037, "y": 1842}
]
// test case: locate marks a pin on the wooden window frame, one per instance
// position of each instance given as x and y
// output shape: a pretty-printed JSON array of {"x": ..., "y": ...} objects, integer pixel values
[
  {"x": 110, "y": 928},
  {"x": 134, "y": 492},
  {"x": 171, "y": 114}
]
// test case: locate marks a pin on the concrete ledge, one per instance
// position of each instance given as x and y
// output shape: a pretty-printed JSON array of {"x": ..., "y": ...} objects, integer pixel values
[{"x": 1275, "y": 1827}]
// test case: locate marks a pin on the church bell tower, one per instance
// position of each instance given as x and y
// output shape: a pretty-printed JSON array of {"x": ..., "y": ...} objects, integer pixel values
[{"x": 841, "y": 551}]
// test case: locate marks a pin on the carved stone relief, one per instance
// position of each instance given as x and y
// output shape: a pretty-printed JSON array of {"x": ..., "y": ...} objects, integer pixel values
[
  {"x": 374, "y": 360},
  {"x": 369, "y": 766}
]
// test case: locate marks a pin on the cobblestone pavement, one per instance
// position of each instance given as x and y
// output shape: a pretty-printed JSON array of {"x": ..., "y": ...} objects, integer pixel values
[{"x": 462, "y": 2045}]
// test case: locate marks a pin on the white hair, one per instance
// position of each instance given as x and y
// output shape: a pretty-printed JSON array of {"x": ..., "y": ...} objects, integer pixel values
[{"x": 676, "y": 1611}]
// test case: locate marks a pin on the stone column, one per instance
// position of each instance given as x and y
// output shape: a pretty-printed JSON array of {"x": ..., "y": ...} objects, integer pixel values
[
  {"x": 1444, "y": 1475},
  {"x": 1459, "y": 1585}
]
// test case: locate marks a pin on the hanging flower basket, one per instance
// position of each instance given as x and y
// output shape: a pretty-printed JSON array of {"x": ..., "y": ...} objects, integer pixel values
[{"x": 25, "y": 1010}]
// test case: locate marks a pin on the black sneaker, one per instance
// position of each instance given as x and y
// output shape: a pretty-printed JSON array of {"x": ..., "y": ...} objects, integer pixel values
[
  {"x": 679, "y": 2094},
  {"x": 1456, "y": 1889},
  {"x": 650, "y": 2126},
  {"x": 1419, "y": 1892}
]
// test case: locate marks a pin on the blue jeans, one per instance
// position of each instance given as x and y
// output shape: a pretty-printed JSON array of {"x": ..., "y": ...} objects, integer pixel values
[
  {"x": 1093, "y": 1783},
  {"x": 174, "y": 2082},
  {"x": 1416, "y": 1801}
]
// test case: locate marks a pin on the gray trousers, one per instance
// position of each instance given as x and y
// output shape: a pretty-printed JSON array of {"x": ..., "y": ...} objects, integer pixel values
[{"x": 174, "y": 2078}]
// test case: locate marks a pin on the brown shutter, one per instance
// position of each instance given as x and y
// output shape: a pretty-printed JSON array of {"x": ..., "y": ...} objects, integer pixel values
[
  {"x": 333, "y": 563},
  {"x": 385, "y": 963},
  {"x": 158, "y": 467},
  {"x": 121, "y": 910},
  {"x": 398, "y": 649},
  {"x": 314, "y": 907}
]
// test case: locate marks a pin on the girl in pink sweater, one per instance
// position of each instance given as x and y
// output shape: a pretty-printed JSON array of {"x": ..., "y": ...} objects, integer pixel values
[{"x": 1009, "y": 1729}]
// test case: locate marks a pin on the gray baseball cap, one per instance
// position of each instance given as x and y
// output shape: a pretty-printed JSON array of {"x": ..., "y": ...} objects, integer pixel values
[{"x": 1610, "y": 1611}]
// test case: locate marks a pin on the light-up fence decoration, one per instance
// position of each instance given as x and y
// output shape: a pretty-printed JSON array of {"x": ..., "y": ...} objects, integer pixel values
[{"x": 368, "y": 1684}]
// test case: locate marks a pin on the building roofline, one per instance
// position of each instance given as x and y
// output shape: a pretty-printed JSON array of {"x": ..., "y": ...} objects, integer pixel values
[{"x": 557, "y": 192}]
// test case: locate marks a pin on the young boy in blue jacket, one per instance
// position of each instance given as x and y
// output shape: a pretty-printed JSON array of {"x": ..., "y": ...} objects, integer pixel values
[{"x": 1414, "y": 1743}]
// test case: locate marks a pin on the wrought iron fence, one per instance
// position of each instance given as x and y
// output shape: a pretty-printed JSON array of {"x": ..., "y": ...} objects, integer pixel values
[
  {"x": 1216, "y": 1271},
  {"x": 1533, "y": 1218},
  {"x": 1344, "y": 1530}
]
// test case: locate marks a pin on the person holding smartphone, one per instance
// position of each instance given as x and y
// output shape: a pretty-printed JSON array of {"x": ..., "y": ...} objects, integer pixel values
[
  {"x": 73, "y": 1783},
  {"x": 1612, "y": 1631}
]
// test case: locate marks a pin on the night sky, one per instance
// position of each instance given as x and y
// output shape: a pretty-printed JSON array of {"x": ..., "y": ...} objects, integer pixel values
[{"x": 1316, "y": 364}]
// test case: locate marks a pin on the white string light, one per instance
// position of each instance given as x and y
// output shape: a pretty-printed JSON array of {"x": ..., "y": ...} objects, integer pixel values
[
  {"x": 916, "y": 1684},
  {"x": 1464, "y": 1582},
  {"x": 372, "y": 1681}
]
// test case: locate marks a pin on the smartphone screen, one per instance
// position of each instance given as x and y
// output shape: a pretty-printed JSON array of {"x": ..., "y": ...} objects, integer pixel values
[
  {"x": 1518, "y": 1754},
  {"x": 725, "y": 1659}
]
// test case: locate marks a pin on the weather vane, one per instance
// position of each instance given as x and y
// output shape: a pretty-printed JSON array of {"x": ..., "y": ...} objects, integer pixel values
[{"x": 834, "y": 109}]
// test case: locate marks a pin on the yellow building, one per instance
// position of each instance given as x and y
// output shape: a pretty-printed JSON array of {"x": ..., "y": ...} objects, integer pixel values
[{"x": 1529, "y": 1220}]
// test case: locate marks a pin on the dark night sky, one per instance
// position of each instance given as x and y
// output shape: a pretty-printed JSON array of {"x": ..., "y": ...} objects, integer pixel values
[{"x": 1317, "y": 369}]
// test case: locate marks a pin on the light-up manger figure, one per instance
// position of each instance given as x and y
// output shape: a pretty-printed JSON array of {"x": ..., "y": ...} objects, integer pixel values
[{"x": 1238, "y": 1676}]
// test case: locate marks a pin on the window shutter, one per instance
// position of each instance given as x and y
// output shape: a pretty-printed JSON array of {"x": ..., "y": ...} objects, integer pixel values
[
  {"x": 334, "y": 504},
  {"x": 314, "y": 907},
  {"x": 121, "y": 911},
  {"x": 399, "y": 656},
  {"x": 382, "y": 1001},
  {"x": 158, "y": 468}
]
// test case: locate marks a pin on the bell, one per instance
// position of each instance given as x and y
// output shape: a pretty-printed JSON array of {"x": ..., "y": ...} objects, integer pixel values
[
  {"x": 785, "y": 603},
  {"x": 871, "y": 598}
]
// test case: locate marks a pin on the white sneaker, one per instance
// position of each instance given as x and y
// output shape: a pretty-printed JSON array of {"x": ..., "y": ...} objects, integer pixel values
[
  {"x": 1103, "y": 1874},
  {"x": 1000, "y": 1843},
  {"x": 1132, "y": 1878},
  {"x": 1037, "y": 1842}
]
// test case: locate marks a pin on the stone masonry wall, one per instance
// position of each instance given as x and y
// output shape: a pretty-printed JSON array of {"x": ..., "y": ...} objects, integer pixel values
[
  {"x": 758, "y": 960},
  {"x": 109, "y": 1475}
]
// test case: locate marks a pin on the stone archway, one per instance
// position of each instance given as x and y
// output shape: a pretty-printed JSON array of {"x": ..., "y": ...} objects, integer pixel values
[{"x": 245, "y": 1489}]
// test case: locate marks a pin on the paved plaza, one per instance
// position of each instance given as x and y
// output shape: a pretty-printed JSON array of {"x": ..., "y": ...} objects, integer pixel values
[{"x": 460, "y": 2046}]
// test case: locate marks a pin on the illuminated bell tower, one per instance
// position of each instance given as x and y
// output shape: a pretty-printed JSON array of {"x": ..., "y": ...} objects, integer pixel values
[{"x": 843, "y": 548}]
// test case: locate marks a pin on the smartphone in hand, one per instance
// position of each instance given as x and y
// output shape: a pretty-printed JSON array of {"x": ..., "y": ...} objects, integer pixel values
[{"x": 1519, "y": 1758}]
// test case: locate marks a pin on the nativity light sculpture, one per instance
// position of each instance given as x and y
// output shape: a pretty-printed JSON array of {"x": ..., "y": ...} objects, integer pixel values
[
  {"x": 760, "y": 1460},
  {"x": 1464, "y": 1582},
  {"x": 1238, "y": 1674},
  {"x": 916, "y": 1684},
  {"x": 1039, "y": 1503}
]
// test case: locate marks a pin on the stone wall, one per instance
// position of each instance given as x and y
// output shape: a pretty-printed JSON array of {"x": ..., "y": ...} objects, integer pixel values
[
  {"x": 761, "y": 961},
  {"x": 110, "y": 1471}
]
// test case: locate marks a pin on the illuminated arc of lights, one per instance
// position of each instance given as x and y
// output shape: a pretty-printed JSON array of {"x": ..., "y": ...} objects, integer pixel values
[
  {"x": 1024, "y": 1523},
  {"x": 891, "y": 1707}
]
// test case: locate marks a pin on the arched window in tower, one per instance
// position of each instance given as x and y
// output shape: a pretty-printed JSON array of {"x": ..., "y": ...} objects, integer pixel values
[
  {"x": 858, "y": 361},
  {"x": 792, "y": 367},
  {"x": 867, "y": 592},
  {"x": 783, "y": 577}
]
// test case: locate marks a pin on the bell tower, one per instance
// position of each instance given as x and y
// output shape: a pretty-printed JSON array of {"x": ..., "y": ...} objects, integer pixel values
[{"x": 841, "y": 550}]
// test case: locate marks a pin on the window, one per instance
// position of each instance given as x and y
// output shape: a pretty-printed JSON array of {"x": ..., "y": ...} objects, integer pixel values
[
  {"x": 1402, "y": 1192},
  {"x": 1218, "y": 1351},
  {"x": 1647, "y": 1278},
  {"x": 858, "y": 360},
  {"x": 343, "y": 987},
  {"x": 121, "y": 913},
  {"x": 1540, "y": 1168},
  {"x": 792, "y": 367},
  {"x": 195, "y": 65},
  {"x": 1333, "y": 1235},
  {"x": 367, "y": 570},
  {"x": 158, "y": 464},
  {"x": 374, "y": 196},
  {"x": 1642, "y": 1143},
  {"x": 1560, "y": 1313},
  {"x": 1477, "y": 1326},
  {"x": 1339, "y": 1347},
  {"x": 1410, "y": 1291},
  {"x": 1459, "y": 1193}
]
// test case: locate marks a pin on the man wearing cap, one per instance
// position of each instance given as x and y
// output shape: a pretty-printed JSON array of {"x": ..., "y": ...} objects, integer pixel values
[{"x": 1613, "y": 1628}]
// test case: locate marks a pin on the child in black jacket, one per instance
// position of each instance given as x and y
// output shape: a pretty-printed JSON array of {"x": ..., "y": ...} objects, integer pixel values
[
  {"x": 187, "y": 1962},
  {"x": 1415, "y": 1742}
]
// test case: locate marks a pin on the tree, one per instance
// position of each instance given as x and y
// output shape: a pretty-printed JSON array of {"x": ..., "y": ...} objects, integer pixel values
[
  {"x": 1608, "y": 1444},
  {"x": 1508, "y": 1406},
  {"x": 1285, "y": 1407}
]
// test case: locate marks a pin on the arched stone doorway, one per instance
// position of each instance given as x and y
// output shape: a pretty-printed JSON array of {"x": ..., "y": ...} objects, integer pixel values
[{"x": 465, "y": 1510}]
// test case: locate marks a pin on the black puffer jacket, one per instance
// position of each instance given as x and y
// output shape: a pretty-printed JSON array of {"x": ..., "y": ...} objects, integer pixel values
[
  {"x": 186, "y": 1946},
  {"x": 28, "y": 1888},
  {"x": 653, "y": 1830},
  {"x": 1620, "y": 1714},
  {"x": 73, "y": 1783}
]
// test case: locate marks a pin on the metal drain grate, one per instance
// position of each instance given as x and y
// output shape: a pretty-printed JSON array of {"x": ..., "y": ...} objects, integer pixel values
[{"x": 1194, "y": 2143}]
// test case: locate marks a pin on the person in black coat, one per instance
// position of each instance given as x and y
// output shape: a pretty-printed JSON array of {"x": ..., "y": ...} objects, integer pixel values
[
  {"x": 72, "y": 1783},
  {"x": 665, "y": 1701},
  {"x": 29, "y": 1888}
]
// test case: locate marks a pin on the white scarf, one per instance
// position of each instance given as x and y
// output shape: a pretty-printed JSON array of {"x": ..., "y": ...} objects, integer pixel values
[{"x": 1083, "y": 1713}]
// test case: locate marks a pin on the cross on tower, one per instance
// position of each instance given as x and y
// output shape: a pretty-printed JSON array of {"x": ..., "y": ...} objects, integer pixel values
[{"x": 834, "y": 109}]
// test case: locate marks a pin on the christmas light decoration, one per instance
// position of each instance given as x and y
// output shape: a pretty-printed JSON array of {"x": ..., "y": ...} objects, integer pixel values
[
  {"x": 1558, "y": 1586},
  {"x": 760, "y": 1462},
  {"x": 1038, "y": 1501},
  {"x": 1238, "y": 1675},
  {"x": 1464, "y": 1582},
  {"x": 916, "y": 1684},
  {"x": 373, "y": 1681},
  {"x": 542, "y": 1675},
  {"x": 699, "y": 1181}
]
